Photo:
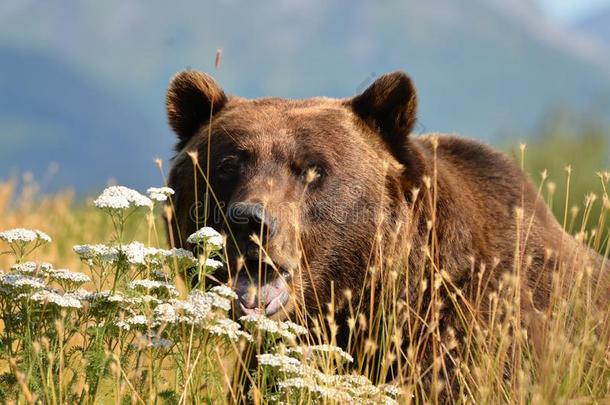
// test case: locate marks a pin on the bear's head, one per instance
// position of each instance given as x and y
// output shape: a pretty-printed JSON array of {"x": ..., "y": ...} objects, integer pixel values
[{"x": 305, "y": 190}]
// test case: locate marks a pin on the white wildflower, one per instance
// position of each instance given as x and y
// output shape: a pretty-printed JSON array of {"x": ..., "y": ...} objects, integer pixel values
[
  {"x": 287, "y": 330},
  {"x": 331, "y": 393},
  {"x": 63, "y": 301},
  {"x": 165, "y": 313},
  {"x": 296, "y": 328},
  {"x": 143, "y": 299},
  {"x": 159, "y": 194},
  {"x": 198, "y": 297},
  {"x": 338, "y": 388},
  {"x": 283, "y": 363},
  {"x": 199, "y": 307},
  {"x": 177, "y": 256},
  {"x": 212, "y": 264},
  {"x": 80, "y": 294},
  {"x": 146, "y": 284},
  {"x": 91, "y": 254},
  {"x": 120, "y": 198},
  {"x": 114, "y": 298},
  {"x": 180, "y": 254},
  {"x": 67, "y": 276},
  {"x": 335, "y": 395},
  {"x": 137, "y": 320},
  {"x": 25, "y": 268},
  {"x": 106, "y": 296},
  {"x": 44, "y": 266},
  {"x": 138, "y": 254},
  {"x": 228, "y": 328},
  {"x": 122, "y": 325},
  {"x": 224, "y": 291},
  {"x": 357, "y": 385},
  {"x": 24, "y": 235},
  {"x": 21, "y": 282},
  {"x": 43, "y": 237},
  {"x": 207, "y": 236},
  {"x": 296, "y": 382},
  {"x": 193, "y": 312},
  {"x": 154, "y": 285},
  {"x": 134, "y": 252}
]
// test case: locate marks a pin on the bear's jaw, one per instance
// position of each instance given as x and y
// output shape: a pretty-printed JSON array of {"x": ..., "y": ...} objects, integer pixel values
[
  {"x": 272, "y": 308},
  {"x": 268, "y": 297}
]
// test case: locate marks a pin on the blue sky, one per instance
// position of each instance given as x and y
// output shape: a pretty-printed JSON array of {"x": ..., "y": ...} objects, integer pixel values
[{"x": 571, "y": 10}]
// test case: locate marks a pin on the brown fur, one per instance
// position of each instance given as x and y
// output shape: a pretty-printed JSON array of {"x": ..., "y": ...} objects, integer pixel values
[{"x": 459, "y": 196}]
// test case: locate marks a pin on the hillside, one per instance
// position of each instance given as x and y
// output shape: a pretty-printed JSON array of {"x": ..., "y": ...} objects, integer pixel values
[
  {"x": 84, "y": 85},
  {"x": 50, "y": 114}
]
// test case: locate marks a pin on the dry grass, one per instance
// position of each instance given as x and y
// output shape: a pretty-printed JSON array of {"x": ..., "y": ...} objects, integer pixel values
[{"x": 496, "y": 359}]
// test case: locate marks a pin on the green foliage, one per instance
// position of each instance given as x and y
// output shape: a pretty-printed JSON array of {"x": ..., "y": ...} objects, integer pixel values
[{"x": 574, "y": 146}]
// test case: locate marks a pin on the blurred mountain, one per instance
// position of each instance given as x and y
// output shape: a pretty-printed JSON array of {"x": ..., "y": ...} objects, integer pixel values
[
  {"x": 52, "y": 118},
  {"x": 598, "y": 26},
  {"x": 82, "y": 84}
]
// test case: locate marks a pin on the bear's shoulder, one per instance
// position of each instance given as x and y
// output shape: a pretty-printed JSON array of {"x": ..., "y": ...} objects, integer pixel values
[{"x": 468, "y": 154}]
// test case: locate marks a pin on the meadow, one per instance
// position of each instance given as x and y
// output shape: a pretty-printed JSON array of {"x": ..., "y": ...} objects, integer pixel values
[{"x": 95, "y": 309}]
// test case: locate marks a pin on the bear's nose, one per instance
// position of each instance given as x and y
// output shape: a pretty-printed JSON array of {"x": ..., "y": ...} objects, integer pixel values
[{"x": 248, "y": 218}]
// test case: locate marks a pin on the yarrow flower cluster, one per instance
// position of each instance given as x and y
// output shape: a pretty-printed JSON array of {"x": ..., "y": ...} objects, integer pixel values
[
  {"x": 106, "y": 296},
  {"x": 285, "y": 364},
  {"x": 205, "y": 310},
  {"x": 158, "y": 287},
  {"x": 25, "y": 268},
  {"x": 229, "y": 329},
  {"x": 288, "y": 330},
  {"x": 96, "y": 254},
  {"x": 159, "y": 194},
  {"x": 60, "y": 300},
  {"x": 224, "y": 291},
  {"x": 335, "y": 387},
  {"x": 135, "y": 253},
  {"x": 19, "y": 282},
  {"x": 208, "y": 236},
  {"x": 67, "y": 276},
  {"x": 134, "y": 322},
  {"x": 24, "y": 236},
  {"x": 120, "y": 198}
]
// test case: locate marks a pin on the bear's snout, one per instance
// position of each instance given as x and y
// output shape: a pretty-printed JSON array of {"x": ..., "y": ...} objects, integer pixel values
[
  {"x": 247, "y": 218},
  {"x": 262, "y": 259}
]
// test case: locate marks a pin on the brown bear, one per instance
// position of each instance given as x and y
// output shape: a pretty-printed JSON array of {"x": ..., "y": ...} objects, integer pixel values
[{"x": 328, "y": 202}]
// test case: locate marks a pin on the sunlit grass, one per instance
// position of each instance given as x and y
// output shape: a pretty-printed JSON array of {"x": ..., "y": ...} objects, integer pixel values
[{"x": 65, "y": 356}]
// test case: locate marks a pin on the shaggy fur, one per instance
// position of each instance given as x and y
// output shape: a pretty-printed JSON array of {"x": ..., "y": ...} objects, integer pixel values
[{"x": 344, "y": 176}]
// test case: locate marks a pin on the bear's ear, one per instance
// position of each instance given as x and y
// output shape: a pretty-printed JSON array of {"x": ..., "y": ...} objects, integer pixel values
[
  {"x": 390, "y": 106},
  {"x": 192, "y": 98}
]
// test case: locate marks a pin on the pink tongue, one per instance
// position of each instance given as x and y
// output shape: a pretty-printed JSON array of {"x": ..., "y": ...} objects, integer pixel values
[
  {"x": 273, "y": 295},
  {"x": 277, "y": 303}
]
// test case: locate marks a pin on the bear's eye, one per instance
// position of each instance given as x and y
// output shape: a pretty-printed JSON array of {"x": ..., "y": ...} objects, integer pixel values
[
  {"x": 228, "y": 166},
  {"x": 311, "y": 174}
]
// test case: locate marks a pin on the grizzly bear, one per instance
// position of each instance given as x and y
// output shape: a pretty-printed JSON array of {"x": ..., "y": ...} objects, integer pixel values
[{"x": 328, "y": 202}]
